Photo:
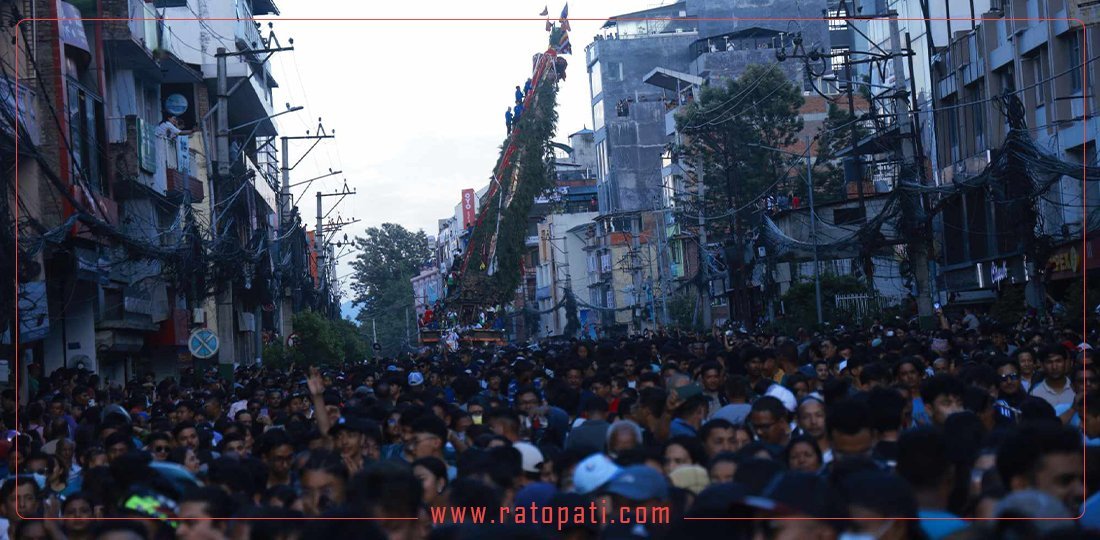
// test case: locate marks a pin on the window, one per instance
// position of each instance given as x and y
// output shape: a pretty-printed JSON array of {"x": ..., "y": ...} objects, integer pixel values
[
  {"x": 601, "y": 158},
  {"x": 978, "y": 117},
  {"x": 595, "y": 80},
  {"x": 597, "y": 116},
  {"x": 837, "y": 61},
  {"x": 1038, "y": 72},
  {"x": 952, "y": 129},
  {"x": 1008, "y": 80},
  {"x": 848, "y": 216},
  {"x": 837, "y": 24},
  {"x": 170, "y": 3},
  {"x": 1073, "y": 52},
  {"x": 614, "y": 71},
  {"x": 85, "y": 118}
]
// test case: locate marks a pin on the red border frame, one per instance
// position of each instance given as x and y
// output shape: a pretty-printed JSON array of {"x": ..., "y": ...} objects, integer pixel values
[{"x": 1084, "y": 233}]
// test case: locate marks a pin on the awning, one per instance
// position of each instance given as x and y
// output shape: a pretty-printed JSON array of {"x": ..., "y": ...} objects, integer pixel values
[
  {"x": 120, "y": 341},
  {"x": 174, "y": 70},
  {"x": 671, "y": 79},
  {"x": 882, "y": 142}
]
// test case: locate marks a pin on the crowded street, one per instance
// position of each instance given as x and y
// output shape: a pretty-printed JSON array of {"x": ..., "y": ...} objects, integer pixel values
[{"x": 795, "y": 269}]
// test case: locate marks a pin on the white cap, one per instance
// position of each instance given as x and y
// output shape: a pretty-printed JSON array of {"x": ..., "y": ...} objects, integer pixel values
[
  {"x": 593, "y": 472},
  {"x": 782, "y": 394},
  {"x": 532, "y": 457}
]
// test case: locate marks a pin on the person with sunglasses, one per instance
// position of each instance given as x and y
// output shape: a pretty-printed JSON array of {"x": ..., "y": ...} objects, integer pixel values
[
  {"x": 158, "y": 445},
  {"x": 1010, "y": 392}
]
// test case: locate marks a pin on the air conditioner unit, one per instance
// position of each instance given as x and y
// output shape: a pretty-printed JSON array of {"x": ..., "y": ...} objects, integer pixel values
[
  {"x": 246, "y": 322},
  {"x": 198, "y": 316}
]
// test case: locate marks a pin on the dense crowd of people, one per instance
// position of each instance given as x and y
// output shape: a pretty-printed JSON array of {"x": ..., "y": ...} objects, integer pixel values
[{"x": 886, "y": 432}]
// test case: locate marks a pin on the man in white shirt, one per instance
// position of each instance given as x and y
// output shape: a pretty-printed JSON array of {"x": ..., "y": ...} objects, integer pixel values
[{"x": 1055, "y": 387}]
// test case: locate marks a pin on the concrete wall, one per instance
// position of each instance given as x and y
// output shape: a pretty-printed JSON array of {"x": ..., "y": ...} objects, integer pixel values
[
  {"x": 634, "y": 143},
  {"x": 584, "y": 149},
  {"x": 777, "y": 11},
  {"x": 72, "y": 318}
]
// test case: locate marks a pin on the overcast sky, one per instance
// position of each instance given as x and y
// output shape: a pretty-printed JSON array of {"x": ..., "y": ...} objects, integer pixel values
[{"x": 418, "y": 106}]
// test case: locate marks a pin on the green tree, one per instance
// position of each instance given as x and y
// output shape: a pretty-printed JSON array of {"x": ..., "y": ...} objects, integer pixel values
[
  {"x": 321, "y": 341},
  {"x": 572, "y": 322},
  {"x": 389, "y": 256},
  {"x": 723, "y": 132},
  {"x": 527, "y": 173},
  {"x": 801, "y": 305},
  {"x": 682, "y": 308}
]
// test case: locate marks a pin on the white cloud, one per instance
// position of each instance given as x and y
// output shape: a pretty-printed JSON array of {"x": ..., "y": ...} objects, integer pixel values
[{"x": 418, "y": 106}]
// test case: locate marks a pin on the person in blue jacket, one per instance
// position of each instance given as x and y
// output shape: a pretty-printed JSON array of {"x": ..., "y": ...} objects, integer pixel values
[
  {"x": 508, "y": 119},
  {"x": 519, "y": 94}
]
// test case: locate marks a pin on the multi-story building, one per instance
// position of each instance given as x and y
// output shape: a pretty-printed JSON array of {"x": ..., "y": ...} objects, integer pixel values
[
  {"x": 1044, "y": 62},
  {"x": 648, "y": 70},
  {"x": 19, "y": 119},
  {"x": 560, "y": 219},
  {"x": 120, "y": 190}
]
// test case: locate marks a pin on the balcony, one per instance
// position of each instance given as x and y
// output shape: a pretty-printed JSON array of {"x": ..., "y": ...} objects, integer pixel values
[
  {"x": 147, "y": 162},
  {"x": 133, "y": 33},
  {"x": 748, "y": 39},
  {"x": 248, "y": 37},
  {"x": 178, "y": 168}
]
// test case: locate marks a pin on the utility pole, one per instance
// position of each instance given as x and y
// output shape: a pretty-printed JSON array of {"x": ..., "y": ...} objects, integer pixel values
[
  {"x": 918, "y": 244},
  {"x": 286, "y": 204},
  {"x": 222, "y": 126},
  {"x": 549, "y": 231},
  {"x": 322, "y": 247},
  {"x": 636, "y": 267},
  {"x": 665, "y": 277},
  {"x": 319, "y": 238},
  {"x": 704, "y": 254},
  {"x": 853, "y": 169},
  {"x": 813, "y": 231},
  {"x": 227, "y": 352}
]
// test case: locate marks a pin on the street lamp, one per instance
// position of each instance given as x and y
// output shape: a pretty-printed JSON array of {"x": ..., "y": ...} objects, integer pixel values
[{"x": 813, "y": 216}]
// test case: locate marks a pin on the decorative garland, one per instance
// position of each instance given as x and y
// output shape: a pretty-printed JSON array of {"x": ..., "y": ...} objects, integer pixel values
[{"x": 495, "y": 270}]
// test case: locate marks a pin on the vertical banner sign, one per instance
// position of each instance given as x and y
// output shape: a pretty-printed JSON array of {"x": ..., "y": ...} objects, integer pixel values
[
  {"x": 147, "y": 149},
  {"x": 183, "y": 155},
  {"x": 468, "y": 216}
]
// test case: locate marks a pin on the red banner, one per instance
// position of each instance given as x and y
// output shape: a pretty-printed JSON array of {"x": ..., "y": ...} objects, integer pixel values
[{"x": 469, "y": 210}]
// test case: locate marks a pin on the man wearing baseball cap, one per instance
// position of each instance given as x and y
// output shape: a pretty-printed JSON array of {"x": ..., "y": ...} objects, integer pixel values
[
  {"x": 639, "y": 496},
  {"x": 350, "y": 438},
  {"x": 429, "y": 438},
  {"x": 592, "y": 473},
  {"x": 800, "y": 495}
]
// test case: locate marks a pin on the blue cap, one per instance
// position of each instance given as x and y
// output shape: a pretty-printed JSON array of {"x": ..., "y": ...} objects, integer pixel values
[
  {"x": 391, "y": 367},
  {"x": 537, "y": 493},
  {"x": 639, "y": 483}
]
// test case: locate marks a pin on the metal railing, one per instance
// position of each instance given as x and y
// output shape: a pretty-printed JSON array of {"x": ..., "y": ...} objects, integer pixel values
[{"x": 859, "y": 306}]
